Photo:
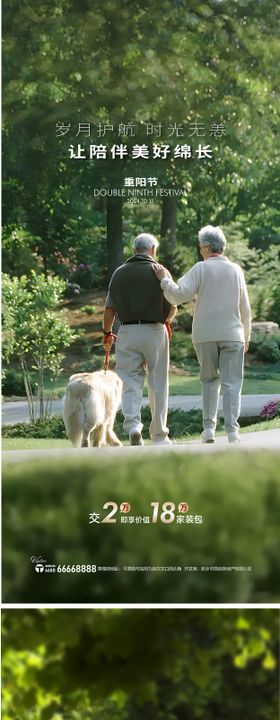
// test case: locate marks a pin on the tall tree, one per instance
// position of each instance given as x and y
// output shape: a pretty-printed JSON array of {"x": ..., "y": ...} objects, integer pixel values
[{"x": 180, "y": 61}]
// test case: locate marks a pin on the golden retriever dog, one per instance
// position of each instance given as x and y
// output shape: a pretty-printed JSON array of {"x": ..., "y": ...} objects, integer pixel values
[{"x": 89, "y": 408}]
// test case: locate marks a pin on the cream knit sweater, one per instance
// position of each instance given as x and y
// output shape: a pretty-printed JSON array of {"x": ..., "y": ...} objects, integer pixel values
[{"x": 222, "y": 308}]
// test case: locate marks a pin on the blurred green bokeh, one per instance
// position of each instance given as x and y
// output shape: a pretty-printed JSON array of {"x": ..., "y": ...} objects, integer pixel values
[
  {"x": 215, "y": 664},
  {"x": 46, "y": 511}
]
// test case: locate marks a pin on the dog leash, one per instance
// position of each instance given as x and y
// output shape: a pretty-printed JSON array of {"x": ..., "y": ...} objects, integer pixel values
[
  {"x": 107, "y": 344},
  {"x": 169, "y": 331}
]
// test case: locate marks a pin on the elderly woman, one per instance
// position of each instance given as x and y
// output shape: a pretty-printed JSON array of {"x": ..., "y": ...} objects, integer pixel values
[{"x": 221, "y": 327}]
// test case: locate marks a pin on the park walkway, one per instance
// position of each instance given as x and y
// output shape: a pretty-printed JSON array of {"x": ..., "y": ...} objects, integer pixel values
[
  {"x": 251, "y": 405},
  {"x": 252, "y": 441}
]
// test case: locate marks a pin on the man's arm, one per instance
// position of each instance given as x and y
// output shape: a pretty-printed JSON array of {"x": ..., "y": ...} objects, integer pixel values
[
  {"x": 172, "y": 313},
  {"x": 108, "y": 319}
]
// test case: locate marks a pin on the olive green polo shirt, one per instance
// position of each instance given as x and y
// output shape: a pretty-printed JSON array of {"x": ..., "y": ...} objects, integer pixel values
[{"x": 135, "y": 293}]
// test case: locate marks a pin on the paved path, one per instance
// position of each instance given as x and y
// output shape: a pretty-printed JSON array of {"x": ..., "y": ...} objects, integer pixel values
[
  {"x": 266, "y": 439},
  {"x": 251, "y": 405}
]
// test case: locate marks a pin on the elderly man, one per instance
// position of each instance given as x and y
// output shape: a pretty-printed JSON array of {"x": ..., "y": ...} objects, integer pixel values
[
  {"x": 221, "y": 327},
  {"x": 137, "y": 299}
]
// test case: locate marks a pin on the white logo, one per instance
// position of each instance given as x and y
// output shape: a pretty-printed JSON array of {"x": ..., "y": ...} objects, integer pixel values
[
  {"x": 39, "y": 568},
  {"x": 37, "y": 559}
]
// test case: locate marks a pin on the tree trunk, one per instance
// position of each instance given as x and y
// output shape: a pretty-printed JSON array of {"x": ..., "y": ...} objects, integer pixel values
[
  {"x": 41, "y": 389},
  {"x": 168, "y": 221},
  {"x": 44, "y": 254},
  {"x": 168, "y": 230},
  {"x": 199, "y": 225},
  {"x": 28, "y": 388},
  {"x": 114, "y": 234}
]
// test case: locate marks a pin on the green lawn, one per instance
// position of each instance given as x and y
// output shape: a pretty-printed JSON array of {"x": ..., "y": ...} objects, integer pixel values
[
  {"x": 263, "y": 425},
  {"x": 33, "y": 443},
  {"x": 190, "y": 385},
  {"x": 256, "y": 383},
  {"x": 45, "y": 443}
]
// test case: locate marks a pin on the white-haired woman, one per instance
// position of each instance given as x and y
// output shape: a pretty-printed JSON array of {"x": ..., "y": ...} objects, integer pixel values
[{"x": 221, "y": 327}]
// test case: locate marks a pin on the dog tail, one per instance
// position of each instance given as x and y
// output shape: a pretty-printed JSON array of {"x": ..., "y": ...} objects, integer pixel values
[
  {"x": 82, "y": 413},
  {"x": 74, "y": 418}
]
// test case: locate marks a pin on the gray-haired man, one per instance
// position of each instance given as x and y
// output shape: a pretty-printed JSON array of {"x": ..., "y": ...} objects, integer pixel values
[
  {"x": 137, "y": 299},
  {"x": 221, "y": 327}
]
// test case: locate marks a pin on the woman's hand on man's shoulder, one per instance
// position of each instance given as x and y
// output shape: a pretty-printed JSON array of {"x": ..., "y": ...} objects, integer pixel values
[{"x": 161, "y": 272}]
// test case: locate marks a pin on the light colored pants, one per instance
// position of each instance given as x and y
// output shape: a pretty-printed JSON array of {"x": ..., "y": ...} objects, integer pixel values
[
  {"x": 137, "y": 346},
  {"x": 221, "y": 366}
]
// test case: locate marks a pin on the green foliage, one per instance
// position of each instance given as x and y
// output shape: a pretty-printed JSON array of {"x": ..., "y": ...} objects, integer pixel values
[
  {"x": 183, "y": 320},
  {"x": 34, "y": 331},
  {"x": 257, "y": 339},
  {"x": 157, "y": 664},
  {"x": 180, "y": 424},
  {"x": 18, "y": 251},
  {"x": 269, "y": 350},
  {"x": 105, "y": 56},
  {"x": 13, "y": 383},
  {"x": 261, "y": 267},
  {"x": 88, "y": 309},
  {"x": 181, "y": 349},
  {"x": 238, "y": 496},
  {"x": 265, "y": 346},
  {"x": 51, "y": 427},
  {"x": 179, "y": 261},
  {"x": 275, "y": 304},
  {"x": 84, "y": 276}
]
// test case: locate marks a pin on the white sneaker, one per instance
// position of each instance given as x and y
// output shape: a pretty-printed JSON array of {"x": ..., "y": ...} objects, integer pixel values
[
  {"x": 163, "y": 441},
  {"x": 233, "y": 438},
  {"x": 208, "y": 436}
]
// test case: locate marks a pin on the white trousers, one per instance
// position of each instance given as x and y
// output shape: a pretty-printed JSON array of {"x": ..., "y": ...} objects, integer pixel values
[
  {"x": 137, "y": 346},
  {"x": 221, "y": 368}
]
